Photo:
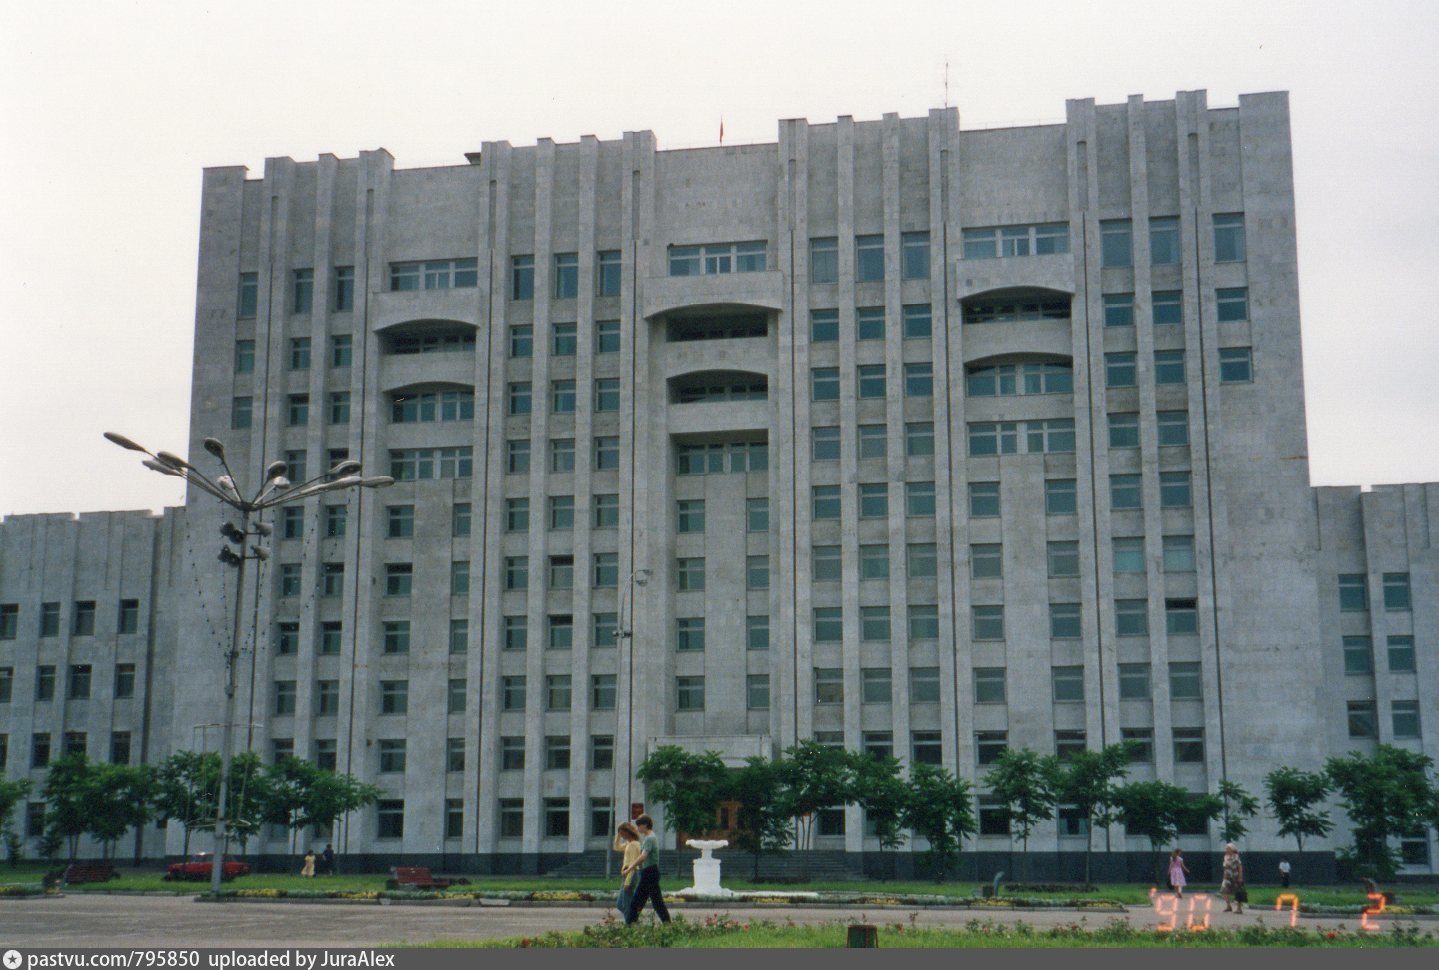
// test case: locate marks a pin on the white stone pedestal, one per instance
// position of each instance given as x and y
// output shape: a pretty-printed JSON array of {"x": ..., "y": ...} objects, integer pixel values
[{"x": 706, "y": 870}]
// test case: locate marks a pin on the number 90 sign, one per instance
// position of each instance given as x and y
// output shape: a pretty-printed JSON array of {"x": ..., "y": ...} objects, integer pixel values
[{"x": 1197, "y": 913}]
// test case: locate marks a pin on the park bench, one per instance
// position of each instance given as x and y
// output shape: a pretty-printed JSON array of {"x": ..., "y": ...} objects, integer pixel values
[
  {"x": 419, "y": 877},
  {"x": 90, "y": 872}
]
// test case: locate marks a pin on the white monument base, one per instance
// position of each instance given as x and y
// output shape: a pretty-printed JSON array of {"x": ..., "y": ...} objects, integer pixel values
[{"x": 706, "y": 870}]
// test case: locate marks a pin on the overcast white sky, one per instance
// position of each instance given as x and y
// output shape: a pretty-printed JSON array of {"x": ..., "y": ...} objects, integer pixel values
[{"x": 108, "y": 112}]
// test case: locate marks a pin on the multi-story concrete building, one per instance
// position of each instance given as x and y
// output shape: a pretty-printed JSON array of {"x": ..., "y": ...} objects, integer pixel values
[{"x": 914, "y": 439}]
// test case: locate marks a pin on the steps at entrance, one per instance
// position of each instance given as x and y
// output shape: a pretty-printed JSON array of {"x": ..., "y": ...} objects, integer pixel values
[{"x": 787, "y": 867}]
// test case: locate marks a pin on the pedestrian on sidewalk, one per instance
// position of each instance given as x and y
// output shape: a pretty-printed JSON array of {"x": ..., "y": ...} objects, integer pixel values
[{"x": 648, "y": 866}]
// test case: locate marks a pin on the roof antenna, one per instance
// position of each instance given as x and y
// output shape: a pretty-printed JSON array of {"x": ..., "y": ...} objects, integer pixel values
[{"x": 946, "y": 84}]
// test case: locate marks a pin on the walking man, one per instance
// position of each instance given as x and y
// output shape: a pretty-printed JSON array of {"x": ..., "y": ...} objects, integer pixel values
[{"x": 648, "y": 865}]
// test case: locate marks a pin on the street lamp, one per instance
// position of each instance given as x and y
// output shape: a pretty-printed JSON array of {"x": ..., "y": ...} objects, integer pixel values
[
  {"x": 638, "y": 577},
  {"x": 275, "y": 490}
]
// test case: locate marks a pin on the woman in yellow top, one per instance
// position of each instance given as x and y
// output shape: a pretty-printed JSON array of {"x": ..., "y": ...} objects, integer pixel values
[{"x": 627, "y": 840}]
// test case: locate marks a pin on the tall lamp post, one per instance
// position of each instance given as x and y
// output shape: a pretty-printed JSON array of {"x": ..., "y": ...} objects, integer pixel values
[
  {"x": 638, "y": 577},
  {"x": 275, "y": 490}
]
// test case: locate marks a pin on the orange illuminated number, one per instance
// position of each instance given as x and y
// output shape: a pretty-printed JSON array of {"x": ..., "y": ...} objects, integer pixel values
[
  {"x": 1368, "y": 912},
  {"x": 1194, "y": 904},
  {"x": 1167, "y": 906},
  {"x": 1293, "y": 906}
]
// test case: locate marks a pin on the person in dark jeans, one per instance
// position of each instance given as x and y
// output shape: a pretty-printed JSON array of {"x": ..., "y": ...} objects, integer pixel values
[{"x": 648, "y": 865}]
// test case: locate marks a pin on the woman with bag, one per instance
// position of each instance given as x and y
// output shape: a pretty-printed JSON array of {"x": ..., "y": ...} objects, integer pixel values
[
  {"x": 627, "y": 840},
  {"x": 1232, "y": 881}
]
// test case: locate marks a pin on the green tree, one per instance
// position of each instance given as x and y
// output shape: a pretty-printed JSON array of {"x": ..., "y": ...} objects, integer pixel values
[
  {"x": 761, "y": 820},
  {"x": 1087, "y": 780},
  {"x": 1024, "y": 783},
  {"x": 689, "y": 786},
  {"x": 303, "y": 796},
  {"x": 939, "y": 808},
  {"x": 1153, "y": 809},
  {"x": 1237, "y": 807},
  {"x": 879, "y": 790},
  {"x": 119, "y": 798},
  {"x": 67, "y": 791},
  {"x": 816, "y": 776},
  {"x": 187, "y": 787},
  {"x": 1384, "y": 796},
  {"x": 12, "y": 793},
  {"x": 1292, "y": 797},
  {"x": 248, "y": 799}
]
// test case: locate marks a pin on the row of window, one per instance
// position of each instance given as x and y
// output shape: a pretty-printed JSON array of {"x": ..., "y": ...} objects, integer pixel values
[
  {"x": 870, "y": 381},
  {"x": 1131, "y": 619},
  {"x": 564, "y": 339},
  {"x": 71, "y": 742},
  {"x": 916, "y": 323},
  {"x": 82, "y": 619},
  {"x": 562, "y": 455},
  {"x": 519, "y": 396},
  {"x": 1359, "y": 654},
  {"x": 1116, "y": 248},
  {"x": 78, "y": 681},
  {"x": 1166, "y": 308},
  {"x": 914, "y": 258},
  {"x": 1354, "y": 591},
  {"x": 1363, "y": 719}
]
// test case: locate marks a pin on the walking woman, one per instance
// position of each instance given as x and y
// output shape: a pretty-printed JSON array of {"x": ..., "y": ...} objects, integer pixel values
[
  {"x": 627, "y": 840},
  {"x": 1177, "y": 871},
  {"x": 1232, "y": 880}
]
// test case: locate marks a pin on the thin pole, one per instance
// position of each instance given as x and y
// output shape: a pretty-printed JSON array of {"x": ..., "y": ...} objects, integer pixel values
[{"x": 227, "y": 736}]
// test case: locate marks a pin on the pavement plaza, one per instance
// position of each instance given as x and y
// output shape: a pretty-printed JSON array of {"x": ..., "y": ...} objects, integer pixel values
[{"x": 124, "y": 921}]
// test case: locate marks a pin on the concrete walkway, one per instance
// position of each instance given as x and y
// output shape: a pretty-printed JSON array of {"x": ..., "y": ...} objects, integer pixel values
[{"x": 93, "y": 920}]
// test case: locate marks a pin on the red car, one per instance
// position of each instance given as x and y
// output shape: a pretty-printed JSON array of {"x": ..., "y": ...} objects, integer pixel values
[{"x": 197, "y": 868}]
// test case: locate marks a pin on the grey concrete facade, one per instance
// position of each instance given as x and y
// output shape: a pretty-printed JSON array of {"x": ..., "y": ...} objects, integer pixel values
[{"x": 892, "y": 434}]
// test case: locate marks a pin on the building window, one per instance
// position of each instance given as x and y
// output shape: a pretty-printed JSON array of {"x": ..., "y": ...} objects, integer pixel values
[
  {"x": 1134, "y": 682},
  {"x": 1188, "y": 746},
  {"x": 824, "y": 260},
  {"x": 394, "y": 696},
  {"x": 985, "y": 561},
  {"x": 567, "y": 276},
  {"x": 399, "y": 521},
  {"x": 690, "y": 633},
  {"x": 1175, "y": 490},
  {"x": 1003, "y": 241},
  {"x": 757, "y": 633},
  {"x": 874, "y": 500},
  {"x": 919, "y": 439},
  {"x": 1119, "y": 309},
  {"x": 1120, "y": 369},
  {"x": 1185, "y": 682},
  {"x": 39, "y": 753},
  {"x": 562, "y": 572},
  {"x": 1068, "y": 684},
  {"x": 607, "y": 272},
  {"x": 918, "y": 380},
  {"x": 460, "y": 577},
  {"x": 1069, "y": 743},
  {"x": 249, "y": 299},
  {"x": 1396, "y": 591},
  {"x": 757, "y": 572},
  {"x": 923, "y": 622},
  {"x": 435, "y": 274},
  {"x": 297, "y": 410},
  {"x": 562, "y": 397},
  {"x": 557, "y": 692},
  {"x": 1181, "y": 616},
  {"x": 917, "y": 323},
  {"x": 399, "y": 578},
  {"x": 244, "y": 357},
  {"x": 287, "y": 639},
  {"x": 825, "y": 564},
  {"x": 875, "y": 686},
  {"x": 82, "y": 624},
  {"x": 344, "y": 288},
  {"x": 390, "y": 818},
  {"x": 987, "y": 622},
  {"x": 512, "y": 753},
  {"x": 869, "y": 323},
  {"x": 828, "y": 685},
  {"x": 868, "y": 258},
  {"x": 1172, "y": 428},
  {"x": 989, "y": 745},
  {"x": 1231, "y": 303},
  {"x": 1131, "y": 618},
  {"x": 924, "y": 685},
  {"x": 1363, "y": 722},
  {"x": 1116, "y": 243},
  {"x": 49, "y": 619},
  {"x": 78, "y": 682},
  {"x": 1179, "y": 554},
  {"x": 300, "y": 353},
  {"x": 603, "y": 692},
  {"x": 124, "y": 682},
  {"x": 919, "y": 500},
  {"x": 1401, "y": 654},
  {"x": 914, "y": 255},
  {"x": 922, "y": 560},
  {"x": 341, "y": 350},
  {"x": 1228, "y": 237},
  {"x": 396, "y": 638},
  {"x": 408, "y": 465},
  {"x": 1128, "y": 553},
  {"x": 1011, "y": 380},
  {"x": 1353, "y": 594},
  {"x": 689, "y": 693},
  {"x": 1064, "y": 621},
  {"x": 1405, "y": 718},
  {"x": 522, "y": 341},
  {"x": 557, "y": 752},
  {"x": 1063, "y": 558},
  {"x": 690, "y": 574},
  {"x": 1124, "y": 430},
  {"x": 718, "y": 258},
  {"x": 522, "y": 277},
  {"x": 826, "y": 502},
  {"x": 874, "y": 623},
  {"x": 607, "y": 511},
  {"x": 304, "y": 294},
  {"x": 828, "y": 624},
  {"x": 989, "y": 685},
  {"x": 756, "y": 514},
  {"x": 824, "y": 444},
  {"x": 1167, "y": 307},
  {"x": 1169, "y": 367},
  {"x": 602, "y": 752},
  {"x": 1164, "y": 240},
  {"x": 240, "y": 413},
  {"x": 757, "y": 692}
]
